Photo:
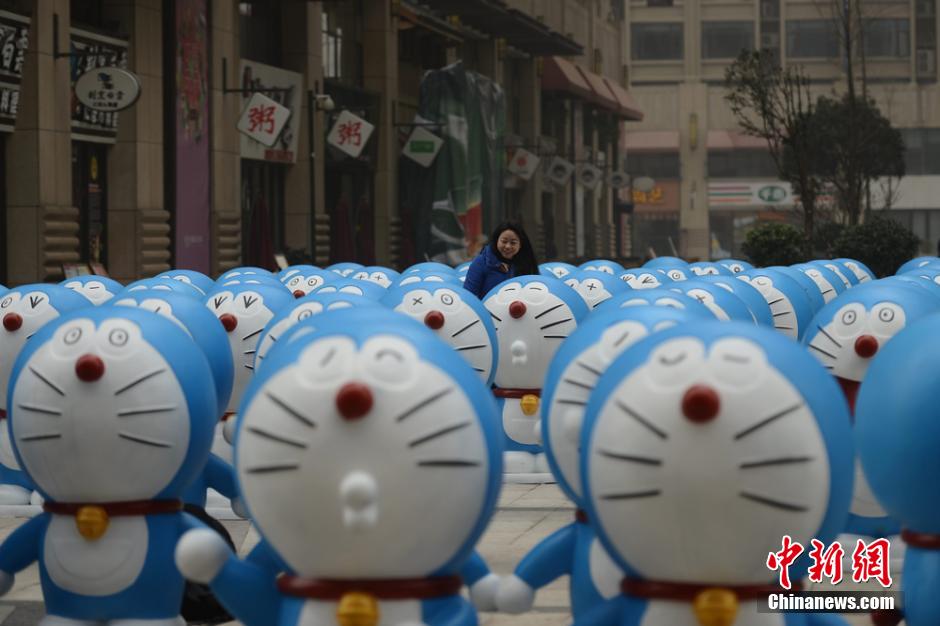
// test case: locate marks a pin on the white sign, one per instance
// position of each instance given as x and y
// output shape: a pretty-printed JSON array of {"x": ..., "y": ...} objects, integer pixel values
[
  {"x": 349, "y": 134},
  {"x": 748, "y": 194},
  {"x": 107, "y": 89},
  {"x": 618, "y": 180},
  {"x": 422, "y": 146},
  {"x": 256, "y": 77},
  {"x": 589, "y": 176},
  {"x": 523, "y": 164},
  {"x": 263, "y": 119},
  {"x": 559, "y": 171}
]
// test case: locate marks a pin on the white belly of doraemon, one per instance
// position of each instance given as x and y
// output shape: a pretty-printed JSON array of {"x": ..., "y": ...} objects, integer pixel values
[
  {"x": 518, "y": 426},
  {"x": 391, "y": 613}
]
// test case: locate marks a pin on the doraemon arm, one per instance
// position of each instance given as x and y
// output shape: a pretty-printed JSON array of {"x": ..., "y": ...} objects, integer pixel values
[
  {"x": 263, "y": 557},
  {"x": 449, "y": 611},
  {"x": 246, "y": 590},
  {"x": 20, "y": 550},
  {"x": 221, "y": 477},
  {"x": 483, "y": 584},
  {"x": 15, "y": 477},
  {"x": 547, "y": 561}
]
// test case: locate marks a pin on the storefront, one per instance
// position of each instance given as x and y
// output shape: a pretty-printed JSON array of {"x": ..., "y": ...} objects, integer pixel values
[
  {"x": 655, "y": 226},
  {"x": 735, "y": 207},
  {"x": 14, "y": 40}
]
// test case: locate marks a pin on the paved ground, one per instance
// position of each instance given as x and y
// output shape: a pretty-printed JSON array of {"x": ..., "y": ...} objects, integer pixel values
[{"x": 527, "y": 513}]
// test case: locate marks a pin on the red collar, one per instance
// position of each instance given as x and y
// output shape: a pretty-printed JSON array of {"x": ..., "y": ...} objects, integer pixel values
[
  {"x": 581, "y": 516},
  {"x": 116, "y": 509},
  {"x": 3, "y": 414},
  {"x": 686, "y": 592},
  {"x": 227, "y": 415},
  {"x": 515, "y": 392},
  {"x": 382, "y": 589},
  {"x": 925, "y": 541}
]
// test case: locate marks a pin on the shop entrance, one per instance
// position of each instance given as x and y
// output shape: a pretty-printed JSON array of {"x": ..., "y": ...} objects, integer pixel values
[
  {"x": 262, "y": 212},
  {"x": 90, "y": 195}
]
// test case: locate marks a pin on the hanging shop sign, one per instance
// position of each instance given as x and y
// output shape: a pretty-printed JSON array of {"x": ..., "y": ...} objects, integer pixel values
[
  {"x": 263, "y": 119},
  {"x": 256, "y": 77},
  {"x": 108, "y": 89},
  {"x": 618, "y": 180},
  {"x": 95, "y": 52},
  {"x": 750, "y": 194},
  {"x": 422, "y": 146},
  {"x": 590, "y": 176},
  {"x": 560, "y": 171},
  {"x": 523, "y": 164},
  {"x": 350, "y": 134},
  {"x": 14, "y": 39}
]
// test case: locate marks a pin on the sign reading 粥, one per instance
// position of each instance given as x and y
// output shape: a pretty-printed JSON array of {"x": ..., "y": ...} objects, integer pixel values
[
  {"x": 422, "y": 146},
  {"x": 256, "y": 78},
  {"x": 263, "y": 119},
  {"x": 349, "y": 134},
  {"x": 107, "y": 89},
  {"x": 523, "y": 164}
]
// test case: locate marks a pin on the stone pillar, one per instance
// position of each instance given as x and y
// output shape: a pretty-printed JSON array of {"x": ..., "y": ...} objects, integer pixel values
[
  {"x": 42, "y": 224},
  {"x": 694, "y": 237},
  {"x": 380, "y": 74},
  {"x": 138, "y": 224}
]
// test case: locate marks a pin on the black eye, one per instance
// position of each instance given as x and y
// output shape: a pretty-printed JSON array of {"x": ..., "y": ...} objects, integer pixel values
[
  {"x": 886, "y": 315},
  {"x": 6, "y": 302},
  {"x": 313, "y": 282},
  {"x": 849, "y": 317},
  {"x": 672, "y": 361},
  {"x": 72, "y": 336},
  {"x": 305, "y": 314},
  {"x": 447, "y": 299},
  {"x": 390, "y": 353},
  {"x": 118, "y": 337}
]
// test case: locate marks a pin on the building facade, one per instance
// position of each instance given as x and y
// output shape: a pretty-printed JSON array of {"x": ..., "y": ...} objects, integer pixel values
[{"x": 712, "y": 182}]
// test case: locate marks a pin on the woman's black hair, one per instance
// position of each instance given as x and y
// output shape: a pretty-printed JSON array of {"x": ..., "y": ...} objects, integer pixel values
[{"x": 524, "y": 262}]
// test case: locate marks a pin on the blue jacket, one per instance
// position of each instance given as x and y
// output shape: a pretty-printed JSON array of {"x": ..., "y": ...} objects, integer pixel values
[{"x": 485, "y": 273}]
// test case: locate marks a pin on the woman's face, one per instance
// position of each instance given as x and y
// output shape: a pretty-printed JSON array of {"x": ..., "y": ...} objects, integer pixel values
[{"x": 508, "y": 244}]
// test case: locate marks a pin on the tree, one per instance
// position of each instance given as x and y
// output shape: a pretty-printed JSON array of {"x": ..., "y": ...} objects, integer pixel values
[
  {"x": 880, "y": 243},
  {"x": 775, "y": 104},
  {"x": 774, "y": 243}
]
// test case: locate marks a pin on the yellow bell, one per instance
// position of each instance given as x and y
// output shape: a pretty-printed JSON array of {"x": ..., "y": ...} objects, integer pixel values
[
  {"x": 715, "y": 607},
  {"x": 529, "y": 403},
  {"x": 92, "y": 522},
  {"x": 357, "y": 609}
]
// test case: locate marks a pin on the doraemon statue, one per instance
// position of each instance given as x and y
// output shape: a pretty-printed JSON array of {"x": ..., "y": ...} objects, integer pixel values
[
  {"x": 809, "y": 287},
  {"x": 659, "y": 297},
  {"x": 197, "y": 279},
  {"x": 847, "y": 278},
  {"x": 755, "y": 302},
  {"x": 715, "y": 439},
  {"x": 164, "y": 284},
  {"x": 595, "y": 287},
  {"x": 381, "y": 276},
  {"x": 705, "y": 268},
  {"x": 532, "y": 315},
  {"x": 345, "y": 269},
  {"x": 574, "y": 549},
  {"x": 602, "y": 265},
  {"x": 422, "y": 276},
  {"x": 666, "y": 262},
  {"x": 375, "y": 422},
  {"x": 96, "y": 289},
  {"x": 921, "y": 261},
  {"x": 788, "y": 302},
  {"x": 429, "y": 266},
  {"x": 307, "y": 280},
  {"x": 363, "y": 288},
  {"x": 557, "y": 269},
  {"x": 107, "y": 416},
  {"x": 241, "y": 273},
  {"x": 646, "y": 278},
  {"x": 24, "y": 311},
  {"x": 457, "y": 316},
  {"x": 859, "y": 269},
  {"x": 723, "y": 304},
  {"x": 826, "y": 280},
  {"x": 249, "y": 279},
  {"x": 897, "y": 435},
  {"x": 736, "y": 265}
]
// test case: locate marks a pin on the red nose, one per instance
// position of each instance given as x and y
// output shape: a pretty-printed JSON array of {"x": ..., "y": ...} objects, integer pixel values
[
  {"x": 12, "y": 321},
  {"x": 866, "y": 346},
  {"x": 517, "y": 309},
  {"x": 434, "y": 320},
  {"x": 700, "y": 404},
  {"x": 298, "y": 293},
  {"x": 89, "y": 368},
  {"x": 353, "y": 401},
  {"x": 229, "y": 321}
]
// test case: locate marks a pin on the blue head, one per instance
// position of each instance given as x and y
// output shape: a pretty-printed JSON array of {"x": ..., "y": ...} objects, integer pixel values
[
  {"x": 602, "y": 265},
  {"x": 846, "y": 277},
  {"x": 345, "y": 269},
  {"x": 858, "y": 269},
  {"x": 429, "y": 266},
  {"x": 735, "y": 265},
  {"x": 412, "y": 278},
  {"x": 463, "y": 268},
  {"x": 197, "y": 279},
  {"x": 789, "y": 305},
  {"x": 716, "y": 439},
  {"x": 595, "y": 287},
  {"x": 162, "y": 284},
  {"x": 364, "y": 288},
  {"x": 915, "y": 279},
  {"x": 106, "y": 406},
  {"x": 723, "y": 304},
  {"x": 241, "y": 273},
  {"x": 704, "y": 268},
  {"x": 352, "y": 434},
  {"x": 649, "y": 278},
  {"x": 666, "y": 262},
  {"x": 249, "y": 279},
  {"x": 827, "y": 282},
  {"x": 917, "y": 263},
  {"x": 96, "y": 289},
  {"x": 897, "y": 432},
  {"x": 382, "y": 276},
  {"x": 813, "y": 293},
  {"x": 662, "y": 298},
  {"x": 290, "y": 270},
  {"x": 556, "y": 269},
  {"x": 457, "y": 316},
  {"x": 307, "y": 279},
  {"x": 751, "y": 297},
  {"x": 574, "y": 372}
]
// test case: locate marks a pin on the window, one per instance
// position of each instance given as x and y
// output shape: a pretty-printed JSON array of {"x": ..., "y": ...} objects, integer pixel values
[
  {"x": 922, "y": 157},
  {"x": 656, "y": 165},
  {"x": 332, "y": 49},
  {"x": 887, "y": 38},
  {"x": 812, "y": 39},
  {"x": 725, "y": 40},
  {"x": 656, "y": 41},
  {"x": 741, "y": 164}
]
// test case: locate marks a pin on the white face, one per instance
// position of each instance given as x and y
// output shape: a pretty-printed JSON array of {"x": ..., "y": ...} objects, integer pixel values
[
  {"x": 676, "y": 275},
  {"x": 121, "y": 437},
  {"x": 838, "y": 272},
  {"x": 781, "y": 308},
  {"x": 825, "y": 287},
  {"x": 184, "y": 279},
  {"x": 860, "y": 274},
  {"x": 600, "y": 268},
  {"x": 834, "y": 344},
  {"x": 345, "y": 272},
  {"x": 298, "y": 314},
  {"x": 711, "y": 496},
  {"x": 646, "y": 280},
  {"x": 154, "y": 305},
  {"x": 559, "y": 271},
  {"x": 699, "y": 270},
  {"x": 528, "y": 343},
  {"x": 341, "y": 498},
  {"x": 708, "y": 300},
  {"x": 251, "y": 314},
  {"x": 287, "y": 275},
  {"x": 462, "y": 328},
  {"x": 93, "y": 290},
  {"x": 591, "y": 290},
  {"x": 674, "y": 303},
  {"x": 737, "y": 268},
  {"x": 306, "y": 284},
  {"x": 379, "y": 278},
  {"x": 35, "y": 310}
]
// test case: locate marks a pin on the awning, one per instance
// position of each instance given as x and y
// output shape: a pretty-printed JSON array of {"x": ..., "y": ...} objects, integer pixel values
[
  {"x": 414, "y": 15},
  {"x": 559, "y": 74},
  {"x": 628, "y": 108},
  {"x": 652, "y": 141},
  {"x": 732, "y": 140}
]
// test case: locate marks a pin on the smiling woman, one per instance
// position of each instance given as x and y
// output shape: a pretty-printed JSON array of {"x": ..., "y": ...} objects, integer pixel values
[{"x": 508, "y": 255}]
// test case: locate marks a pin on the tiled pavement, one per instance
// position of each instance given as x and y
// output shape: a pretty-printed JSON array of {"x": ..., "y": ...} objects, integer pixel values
[{"x": 526, "y": 514}]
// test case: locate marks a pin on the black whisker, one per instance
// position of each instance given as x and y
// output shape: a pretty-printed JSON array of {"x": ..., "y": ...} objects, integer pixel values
[
  {"x": 642, "y": 420},
  {"x": 621, "y": 340},
  {"x": 249, "y": 351},
  {"x": 643, "y": 460},
  {"x": 750, "y": 429},
  {"x": 785, "y": 460},
  {"x": 435, "y": 435},
  {"x": 554, "y": 336},
  {"x": 831, "y": 338},
  {"x": 574, "y": 402},
  {"x": 248, "y": 366},
  {"x": 632, "y": 495},
  {"x": 156, "y": 443},
  {"x": 424, "y": 403},
  {"x": 567, "y": 319},
  {"x": 578, "y": 383},
  {"x": 781, "y": 313},
  {"x": 300, "y": 417},
  {"x": 448, "y": 463},
  {"x": 777, "y": 504},
  {"x": 145, "y": 410},
  {"x": 277, "y": 438},
  {"x": 783, "y": 327},
  {"x": 479, "y": 369},
  {"x": 820, "y": 350},
  {"x": 39, "y": 409},
  {"x": 494, "y": 317},
  {"x": 272, "y": 337},
  {"x": 773, "y": 302},
  {"x": 40, "y": 437},
  {"x": 474, "y": 322},
  {"x": 134, "y": 383},
  {"x": 829, "y": 367},
  {"x": 547, "y": 311},
  {"x": 250, "y": 335},
  {"x": 267, "y": 469},
  {"x": 461, "y": 348},
  {"x": 329, "y": 356},
  {"x": 594, "y": 371},
  {"x": 54, "y": 386}
]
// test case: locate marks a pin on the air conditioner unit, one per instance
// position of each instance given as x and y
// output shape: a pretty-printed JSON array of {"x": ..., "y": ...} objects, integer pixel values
[
  {"x": 926, "y": 62},
  {"x": 770, "y": 41}
]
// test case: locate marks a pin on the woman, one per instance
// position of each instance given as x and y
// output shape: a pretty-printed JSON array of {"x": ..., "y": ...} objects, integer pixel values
[{"x": 508, "y": 254}]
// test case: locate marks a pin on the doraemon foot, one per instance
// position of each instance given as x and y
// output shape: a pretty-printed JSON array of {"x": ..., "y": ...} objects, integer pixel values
[{"x": 14, "y": 495}]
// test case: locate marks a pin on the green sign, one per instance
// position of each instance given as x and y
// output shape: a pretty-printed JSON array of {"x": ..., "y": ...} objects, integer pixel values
[
  {"x": 772, "y": 194},
  {"x": 421, "y": 147}
]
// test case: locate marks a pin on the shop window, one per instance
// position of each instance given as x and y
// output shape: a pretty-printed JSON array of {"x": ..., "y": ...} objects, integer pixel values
[
  {"x": 657, "y": 41},
  {"x": 726, "y": 40},
  {"x": 887, "y": 38},
  {"x": 922, "y": 155},
  {"x": 656, "y": 165},
  {"x": 260, "y": 34},
  {"x": 808, "y": 39}
]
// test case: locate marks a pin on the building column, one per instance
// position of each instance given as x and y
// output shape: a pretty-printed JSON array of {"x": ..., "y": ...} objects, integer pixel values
[
  {"x": 380, "y": 74},
  {"x": 694, "y": 237},
  {"x": 42, "y": 224},
  {"x": 530, "y": 127}
]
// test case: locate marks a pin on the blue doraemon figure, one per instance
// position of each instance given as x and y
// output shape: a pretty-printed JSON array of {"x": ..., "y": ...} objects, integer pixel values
[
  {"x": 812, "y": 291},
  {"x": 917, "y": 263},
  {"x": 24, "y": 311},
  {"x": 595, "y": 287},
  {"x": 363, "y": 288},
  {"x": 826, "y": 280},
  {"x": 532, "y": 316},
  {"x": 96, "y": 289},
  {"x": 706, "y": 268},
  {"x": 429, "y": 266},
  {"x": 107, "y": 417},
  {"x": 659, "y": 297},
  {"x": 574, "y": 549},
  {"x": 307, "y": 279},
  {"x": 402, "y": 424},
  {"x": 749, "y": 294},
  {"x": 242, "y": 273},
  {"x": 666, "y": 262},
  {"x": 789, "y": 305},
  {"x": 345, "y": 269},
  {"x": 602, "y": 265},
  {"x": 557, "y": 269},
  {"x": 858, "y": 269},
  {"x": 847, "y": 278},
  {"x": 191, "y": 277},
  {"x": 456, "y": 316},
  {"x": 716, "y": 439},
  {"x": 736, "y": 265},
  {"x": 723, "y": 304},
  {"x": 897, "y": 435},
  {"x": 382, "y": 276},
  {"x": 427, "y": 276},
  {"x": 163, "y": 284}
]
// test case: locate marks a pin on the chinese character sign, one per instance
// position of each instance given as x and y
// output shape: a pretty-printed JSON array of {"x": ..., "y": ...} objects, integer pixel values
[
  {"x": 263, "y": 137},
  {"x": 350, "y": 134},
  {"x": 869, "y": 561},
  {"x": 263, "y": 119}
]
